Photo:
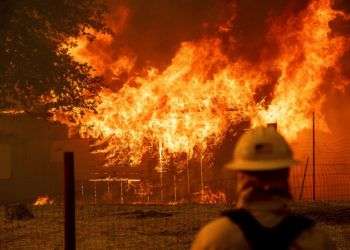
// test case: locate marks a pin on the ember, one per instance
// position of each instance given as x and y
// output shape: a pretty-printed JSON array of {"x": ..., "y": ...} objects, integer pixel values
[
  {"x": 43, "y": 200},
  {"x": 207, "y": 196}
]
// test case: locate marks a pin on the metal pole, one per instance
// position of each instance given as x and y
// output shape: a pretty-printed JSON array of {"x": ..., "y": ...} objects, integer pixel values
[
  {"x": 161, "y": 182},
  {"x": 313, "y": 159},
  {"x": 188, "y": 179},
  {"x": 202, "y": 181},
  {"x": 82, "y": 191},
  {"x": 69, "y": 201},
  {"x": 95, "y": 193},
  {"x": 161, "y": 185},
  {"x": 161, "y": 172},
  {"x": 175, "y": 189},
  {"x": 303, "y": 181},
  {"x": 121, "y": 192}
]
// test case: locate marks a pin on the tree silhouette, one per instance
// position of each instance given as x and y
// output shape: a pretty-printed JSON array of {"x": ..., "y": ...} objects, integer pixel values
[{"x": 36, "y": 71}]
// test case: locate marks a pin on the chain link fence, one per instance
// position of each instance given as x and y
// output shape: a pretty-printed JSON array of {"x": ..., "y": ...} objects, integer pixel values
[{"x": 144, "y": 226}]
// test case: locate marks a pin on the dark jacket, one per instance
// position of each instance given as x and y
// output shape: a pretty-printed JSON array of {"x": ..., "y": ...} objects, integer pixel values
[{"x": 222, "y": 234}]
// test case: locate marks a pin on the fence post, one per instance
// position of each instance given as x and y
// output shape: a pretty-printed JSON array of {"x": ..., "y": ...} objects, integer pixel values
[
  {"x": 304, "y": 178},
  {"x": 313, "y": 158},
  {"x": 69, "y": 201}
]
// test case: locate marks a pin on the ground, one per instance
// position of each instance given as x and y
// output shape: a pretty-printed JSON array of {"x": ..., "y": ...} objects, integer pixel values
[{"x": 145, "y": 226}]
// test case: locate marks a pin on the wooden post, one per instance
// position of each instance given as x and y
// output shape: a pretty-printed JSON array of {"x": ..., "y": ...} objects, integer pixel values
[
  {"x": 69, "y": 201},
  {"x": 313, "y": 158}
]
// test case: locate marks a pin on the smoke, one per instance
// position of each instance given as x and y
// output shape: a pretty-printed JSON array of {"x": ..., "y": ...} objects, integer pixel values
[
  {"x": 341, "y": 27},
  {"x": 342, "y": 5},
  {"x": 155, "y": 29},
  {"x": 248, "y": 34},
  {"x": 337, "y": 104}
]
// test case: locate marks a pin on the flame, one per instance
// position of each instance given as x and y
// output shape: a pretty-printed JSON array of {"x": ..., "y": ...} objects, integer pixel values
[
  {"x": 95, "y": 48},
  {"x": 210, "y": 197},
  {"x": 185, "y": 106},
  {"x": 303, "y": 66},
  {"x": 12, "y": 111},
  {"x": 100, "y": 44},
  {"x": 191, "y": 104},
  {"x": 43, "y": 200},
  {"x": 144, "y": 190}
]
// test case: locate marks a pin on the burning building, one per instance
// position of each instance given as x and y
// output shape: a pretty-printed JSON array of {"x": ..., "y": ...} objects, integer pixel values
[
  {"x": 178, "y": 85},
  {"x": 184, "y": 78}
]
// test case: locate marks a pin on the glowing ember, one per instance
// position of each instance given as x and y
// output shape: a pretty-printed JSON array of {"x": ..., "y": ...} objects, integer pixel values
[
  {"x": 43, "y": 200},
  {"x": 191, "y": 104},
  {"x": 210, "y": 197}
]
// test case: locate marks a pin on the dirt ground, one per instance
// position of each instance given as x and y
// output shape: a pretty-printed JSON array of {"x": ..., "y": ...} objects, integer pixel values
[{"x": 145, "y": 226}]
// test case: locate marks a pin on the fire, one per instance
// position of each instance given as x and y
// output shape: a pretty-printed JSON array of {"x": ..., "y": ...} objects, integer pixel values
[
  {"x": 43, "y": 200},
  {"x": 100, "y": 45},
  {"x": 210, "y": 197},
  {"x": 95, "y": 47},
  {"x": 303, "y": 67},
  {"x": 190, "y": 105},
  {"x": 183, "y": 107}
]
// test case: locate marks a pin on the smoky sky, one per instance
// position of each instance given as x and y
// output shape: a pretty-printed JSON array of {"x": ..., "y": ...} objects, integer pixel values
[
  {"x": 155, "y": 29},
  {"x": 341, "y": 27},
  {"x": 343, "y": 5},
  {"x": 251, "y": 24}
]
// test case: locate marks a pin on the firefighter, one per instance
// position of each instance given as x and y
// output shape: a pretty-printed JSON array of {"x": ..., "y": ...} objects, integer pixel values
[{"x": 261, "y": 219}]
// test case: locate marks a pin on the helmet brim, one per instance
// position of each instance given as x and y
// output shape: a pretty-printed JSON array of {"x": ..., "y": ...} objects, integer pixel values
[{"x": 265, "y": 165}]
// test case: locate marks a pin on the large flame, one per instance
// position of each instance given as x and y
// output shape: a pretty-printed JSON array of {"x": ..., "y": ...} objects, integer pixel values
[
  {"x": 306, "y": 56},
  {"x": 190, "y": 105}
]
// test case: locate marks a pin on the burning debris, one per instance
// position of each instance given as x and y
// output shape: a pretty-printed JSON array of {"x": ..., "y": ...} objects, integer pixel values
[
  {"x": 43, "y": 200},
  {"x": 207, "y": 196}
]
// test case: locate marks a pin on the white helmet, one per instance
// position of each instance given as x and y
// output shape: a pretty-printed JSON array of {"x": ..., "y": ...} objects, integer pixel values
[{"x": 261, "y": 149}]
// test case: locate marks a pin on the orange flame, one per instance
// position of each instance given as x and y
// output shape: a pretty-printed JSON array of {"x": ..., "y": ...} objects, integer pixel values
[
  {"x": 43, "y": 200},
  {"x": 303, "y": 66},
  {"x": 192, "y": 103},
  {"x": 210, "y": 197}
]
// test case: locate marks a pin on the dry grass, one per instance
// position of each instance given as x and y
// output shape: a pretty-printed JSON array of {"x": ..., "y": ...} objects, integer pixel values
[{"x": 144, "y": 227}]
